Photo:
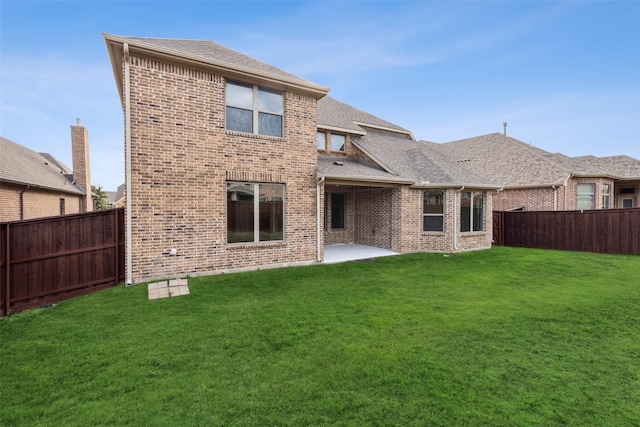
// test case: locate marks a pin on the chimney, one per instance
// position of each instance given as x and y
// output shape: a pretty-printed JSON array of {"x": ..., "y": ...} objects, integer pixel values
[
  {"x": 80, "y": 158},
  {"x": 505, "y": 128}
]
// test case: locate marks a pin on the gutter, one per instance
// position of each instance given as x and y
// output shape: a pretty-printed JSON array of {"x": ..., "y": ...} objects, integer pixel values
[
  {"x": 22, "y": 205},
  {"x": 318, "y": 225},
  {"x": 428, "y": 185},
  {"x": 127, "y": 161},
  {"x": 454, "y": 234}
]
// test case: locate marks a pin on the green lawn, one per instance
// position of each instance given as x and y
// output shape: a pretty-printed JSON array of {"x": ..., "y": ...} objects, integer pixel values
[{"x": 505, "y": 337}]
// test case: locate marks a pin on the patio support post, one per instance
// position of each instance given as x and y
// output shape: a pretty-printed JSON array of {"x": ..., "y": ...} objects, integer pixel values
[
  {"x": 127, "y": 142},
  {"x": 318, "y": 225}
]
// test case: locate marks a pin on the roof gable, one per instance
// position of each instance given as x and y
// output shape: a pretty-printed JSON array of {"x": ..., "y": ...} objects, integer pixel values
[
  {"x": 336, "y": 115},
  {"x": 209, "y": 55},
  {"x": 19, "y": 165}
]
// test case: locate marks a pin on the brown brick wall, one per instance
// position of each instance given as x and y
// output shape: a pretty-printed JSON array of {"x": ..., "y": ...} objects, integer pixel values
[
  {"x": 37, "y": 202},
  {"x": 532, "y": 199},
  {"x": 182, "y": 157}
]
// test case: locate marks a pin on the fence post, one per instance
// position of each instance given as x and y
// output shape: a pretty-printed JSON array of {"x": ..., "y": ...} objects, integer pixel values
[{"x": 7, "y": 272}]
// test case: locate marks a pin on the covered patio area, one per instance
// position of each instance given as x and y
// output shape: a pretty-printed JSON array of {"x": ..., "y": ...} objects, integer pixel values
[{"x": 342, "y": 252}]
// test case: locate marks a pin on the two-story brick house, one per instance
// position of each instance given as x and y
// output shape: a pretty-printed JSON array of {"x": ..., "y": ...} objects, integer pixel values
[{"x": 233, "y": 164}]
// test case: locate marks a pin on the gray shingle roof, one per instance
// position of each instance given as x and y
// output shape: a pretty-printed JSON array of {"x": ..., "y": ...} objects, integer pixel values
[
  {"x": 335, "y": 114},
  {"x": 417, "y": 160},
  {"x": 344, "y": 167},
  {"x": 19, "y": 165},
  {"x": 511, "y": 162},
  {"x": 228, "y": 62}
]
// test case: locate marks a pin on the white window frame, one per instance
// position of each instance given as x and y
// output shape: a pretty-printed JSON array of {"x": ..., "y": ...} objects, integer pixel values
[
  {"x": 323, "y": 136},
  {"x": 255, "y": 108},
  {"x": 606, "y": 196},
  {"x": 344, "y": 146}
]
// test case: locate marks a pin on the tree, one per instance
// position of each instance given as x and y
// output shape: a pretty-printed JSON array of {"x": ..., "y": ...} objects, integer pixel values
[{"x": 99, "y": 198}]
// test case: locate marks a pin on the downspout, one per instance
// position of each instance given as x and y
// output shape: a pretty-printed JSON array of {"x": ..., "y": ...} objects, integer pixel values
[
  {"x": 22, "y": 201},
  {"x": 127, "y": 150},
  {"x": 319, "y": 227},
  {"x": 454, "y": 225},
  {"x": 566, "y": 183},
  {"x": 555, "y": 197}
]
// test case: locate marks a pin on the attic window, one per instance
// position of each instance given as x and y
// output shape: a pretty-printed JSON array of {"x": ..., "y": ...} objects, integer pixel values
[
  {"x": 254, "y": 109},
  {"x": 338, "y": 142}
]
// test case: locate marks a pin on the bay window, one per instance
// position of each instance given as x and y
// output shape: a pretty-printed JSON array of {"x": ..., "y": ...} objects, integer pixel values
[{"x": 471, "y": 211}]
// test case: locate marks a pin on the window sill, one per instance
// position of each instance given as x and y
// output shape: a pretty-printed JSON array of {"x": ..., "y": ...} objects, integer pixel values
[
  {"x": 256, "y": 245},
  {"x": 254, "y": 135},
  {"x": 433, "y": 233},
  {"x": 472, "y": 233}
]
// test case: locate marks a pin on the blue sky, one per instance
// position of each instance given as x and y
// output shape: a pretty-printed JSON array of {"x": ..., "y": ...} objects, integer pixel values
[{"x": 564, "y": 75}]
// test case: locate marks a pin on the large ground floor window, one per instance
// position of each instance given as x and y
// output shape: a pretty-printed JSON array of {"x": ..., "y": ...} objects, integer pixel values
[
  {"x": 471, "y": 211},
  {"x": 255, "y": 212}
]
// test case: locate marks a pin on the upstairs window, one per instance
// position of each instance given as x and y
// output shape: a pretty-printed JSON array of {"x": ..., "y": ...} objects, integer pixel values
[
  {"x": 338, "y": 142},
  {"x": 321, "y": 140},
  {"x": 433, "y": 211},
  {"x": 254, "y": 109},
  {"x": 585, "y": 196},
  {"x": 471, "y": 211}
]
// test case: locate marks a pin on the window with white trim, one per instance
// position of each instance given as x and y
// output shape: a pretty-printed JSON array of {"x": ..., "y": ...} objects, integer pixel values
[
  {"x": 471, "y": 211},
  {"x": 585, "y": 196},
  {"x": 606, "y": 196},
  {"x": 433, "y": 210},
  {"x": 255, "y": 212},
  {"x": 254, "y": 109}
]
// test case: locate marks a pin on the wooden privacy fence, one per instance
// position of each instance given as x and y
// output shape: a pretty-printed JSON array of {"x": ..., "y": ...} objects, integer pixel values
[
  {"x": 613, "y": 231},
  {"x": 47, "y": 260}
]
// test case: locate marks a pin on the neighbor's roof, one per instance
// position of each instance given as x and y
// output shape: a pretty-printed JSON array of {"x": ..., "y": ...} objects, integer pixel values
[
  {"x": 209, "y": 55},
  {"x": 336, "y": 115},
  {"x": 417, "y": 160},
  {"x": 19, "y": 165},
  {"x": 513, "y": 163}
]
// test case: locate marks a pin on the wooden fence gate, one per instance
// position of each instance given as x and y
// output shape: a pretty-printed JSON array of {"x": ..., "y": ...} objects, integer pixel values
[
  {"x": 613, "y": 231},
  {"x": 47, "y": 260}
]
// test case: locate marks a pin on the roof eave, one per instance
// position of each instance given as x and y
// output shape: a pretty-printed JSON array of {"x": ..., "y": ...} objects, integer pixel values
[
  {"x": 470, "y": 186},
  {"x": 72, "y": 190},
  {"x": 224, "y": 68},
  {"x": 365, "y": 179}
]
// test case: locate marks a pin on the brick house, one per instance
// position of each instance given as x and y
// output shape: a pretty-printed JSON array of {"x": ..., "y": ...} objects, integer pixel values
[
  {"x": 233, "y": 164},
  {"x": 534, "y": 179},
  {"x": 34, "y": 185}
]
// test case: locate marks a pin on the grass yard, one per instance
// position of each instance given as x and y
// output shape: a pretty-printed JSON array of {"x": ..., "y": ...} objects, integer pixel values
[{"x": 506, "y": 337}]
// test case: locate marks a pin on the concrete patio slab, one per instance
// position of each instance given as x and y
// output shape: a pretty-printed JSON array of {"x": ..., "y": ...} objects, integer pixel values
[
  {"x": 172, "y": 288},
  {"x": 352, "y": 251}
]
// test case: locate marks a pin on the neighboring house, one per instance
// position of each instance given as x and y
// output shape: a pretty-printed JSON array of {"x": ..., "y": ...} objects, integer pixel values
[
  {"x": 534, "y": 179},
  {"x": 234, "y": 164},
  {"x": 116, "y": 199},
  {"x": 34, "y": 185}
]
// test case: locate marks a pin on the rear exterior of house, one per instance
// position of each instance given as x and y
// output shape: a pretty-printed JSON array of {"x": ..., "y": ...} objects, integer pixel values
[
  {"x": 222, "y": 153},
  {"x": 232, "y": 164}
]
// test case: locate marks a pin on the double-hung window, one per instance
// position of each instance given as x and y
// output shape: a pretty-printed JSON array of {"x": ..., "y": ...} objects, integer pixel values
[
  {"x": 433, "y": 211},
  {"x": 254, "y": 109},
  {"x": 585, "y": 196},
  {"x": 255, "y": 212},
  {"x": 471, "y": 211}
]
